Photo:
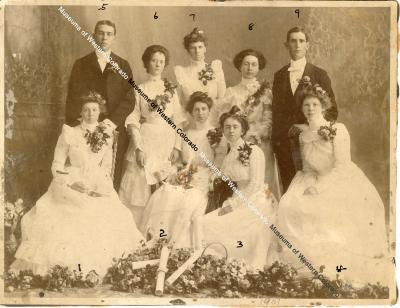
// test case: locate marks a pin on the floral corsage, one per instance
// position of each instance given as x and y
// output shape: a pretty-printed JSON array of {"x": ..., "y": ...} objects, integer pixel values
[
  {"x": 328, "y": 133},
  {"x": 255, "y": 99},
  {"x": 244, "y": 153},
  {"x": 214, "y": 136},
  {"x": 98, "y": 138},
  {"x": 162, "y": 100},
  {"x": 206, "y": 74},
  {"x": 184, "y": 176}
]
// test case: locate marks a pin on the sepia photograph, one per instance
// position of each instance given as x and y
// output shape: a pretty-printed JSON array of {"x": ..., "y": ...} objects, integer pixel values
[{"x": 237, "y": 153}]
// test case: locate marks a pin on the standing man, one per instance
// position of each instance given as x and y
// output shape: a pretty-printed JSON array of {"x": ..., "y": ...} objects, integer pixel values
[
  {"x": 93, "y": 72},
  {"x": 285, "y": 110}
]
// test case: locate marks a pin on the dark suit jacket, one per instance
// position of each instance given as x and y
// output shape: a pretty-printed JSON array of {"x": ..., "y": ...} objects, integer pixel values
[
  {"x": 286, "y": 109},
  {"x": 86, "y": 75}
]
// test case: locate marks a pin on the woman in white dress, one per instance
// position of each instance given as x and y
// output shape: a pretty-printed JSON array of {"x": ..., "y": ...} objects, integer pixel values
[
  {"x": 154, "y": 143},
  {"x": 242, "y": 220},
  {"x": 172, "y": 207},
  {"x": 255, "y": 99},
  {"x": 331, "y": 212},
  {"x": 80, "y": 219},
  {"x": 200, "y": 75}
]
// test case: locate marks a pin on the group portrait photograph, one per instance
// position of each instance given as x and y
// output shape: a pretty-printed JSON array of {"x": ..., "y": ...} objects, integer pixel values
[{"x": 199, "y": 152}]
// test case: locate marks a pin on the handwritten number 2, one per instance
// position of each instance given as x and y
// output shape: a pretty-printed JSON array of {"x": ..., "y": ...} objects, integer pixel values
[{"x": 162, "y": 233}]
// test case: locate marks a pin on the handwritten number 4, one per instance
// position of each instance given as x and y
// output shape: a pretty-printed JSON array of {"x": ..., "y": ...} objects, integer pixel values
[{"x": 240, "y": 244}]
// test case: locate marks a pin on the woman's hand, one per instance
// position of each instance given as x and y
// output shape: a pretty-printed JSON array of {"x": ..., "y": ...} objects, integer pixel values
[
  {"x": 311, "y": 191},
  {"x": 79, "y": 186},
  {"x": 140, "y": 157},
  {"x": 174, "y": 156},
  {"x": 225, "y": 210}
]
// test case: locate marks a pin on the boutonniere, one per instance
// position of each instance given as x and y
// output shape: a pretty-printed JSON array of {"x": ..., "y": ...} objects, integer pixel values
[
  {"x": 328, "y": 133},
  {"x": 162, "y": 100},
  {"x": 98, "y": 138},
  {"x": 214, "y": 136},
  {"x": 305, "y": 81},
  {"x": 206, "y": 74},
  {"x": 255, "y": 99},
  {"x": 244, "y": 153}
]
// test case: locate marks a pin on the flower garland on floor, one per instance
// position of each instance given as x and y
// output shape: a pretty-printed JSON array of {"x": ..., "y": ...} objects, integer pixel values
[{"x": 213, "y": 275}]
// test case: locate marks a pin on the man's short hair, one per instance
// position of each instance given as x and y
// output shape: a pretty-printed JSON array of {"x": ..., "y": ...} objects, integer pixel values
[
  {"x": 296, "y": 30},
  {"x": 105, "y": 22}
]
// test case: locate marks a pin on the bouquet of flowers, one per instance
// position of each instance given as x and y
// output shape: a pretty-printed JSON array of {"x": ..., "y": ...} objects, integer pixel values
[
  {"x": 328, "y": 133},
  {"x": 214, "y": 136},
  {"x": 184, "y": 176},
  {"x": 162, "y": 100},
  {"x": 98, "y": 138},
  {"x": 206, "y": 74},
  {"x": 244, "y": 153}
]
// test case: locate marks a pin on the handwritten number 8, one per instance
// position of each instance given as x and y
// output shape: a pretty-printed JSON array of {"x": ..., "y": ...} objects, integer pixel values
[{"x": 251, "y": 26}]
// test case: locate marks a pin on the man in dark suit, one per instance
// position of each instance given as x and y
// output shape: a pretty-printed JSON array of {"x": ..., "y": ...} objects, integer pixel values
[
  {"x": 102, "y": 71},
  {"x": 285, "y": 105}
]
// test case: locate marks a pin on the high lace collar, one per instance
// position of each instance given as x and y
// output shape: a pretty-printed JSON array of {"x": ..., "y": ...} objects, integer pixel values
[
  {"x": 246, "y": 81},
  {"x": 153, "y": 78},
  {"x": 89, "y": 126},
  {"x": 198, "y": 64},
  {"x": 235, "y": 146}
]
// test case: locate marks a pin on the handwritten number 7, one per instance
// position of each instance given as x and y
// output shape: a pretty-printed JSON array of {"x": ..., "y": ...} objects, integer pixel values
[{"x": 194, "y": 15}]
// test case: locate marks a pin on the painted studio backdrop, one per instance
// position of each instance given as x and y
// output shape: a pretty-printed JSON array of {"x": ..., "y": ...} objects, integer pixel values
[{"x": 41, "y": 46}]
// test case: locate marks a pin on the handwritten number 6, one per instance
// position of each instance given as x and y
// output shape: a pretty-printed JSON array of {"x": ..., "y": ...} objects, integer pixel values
[{"x": 155, "y": 15}]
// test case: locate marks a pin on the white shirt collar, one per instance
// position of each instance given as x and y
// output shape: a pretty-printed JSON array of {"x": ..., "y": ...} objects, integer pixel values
[
  {"x": 301, "y": 63},
  {"x": 103, "y": 56},
  {"x": 237, "y": 144},
  {"x": 195, "y": 63},
  {"x": 154, "y": 78}
]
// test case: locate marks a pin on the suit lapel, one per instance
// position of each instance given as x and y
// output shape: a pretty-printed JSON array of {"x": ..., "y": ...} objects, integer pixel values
[
  {"x": 94, "y": 63},
  {"x": 307, "y": 72}
]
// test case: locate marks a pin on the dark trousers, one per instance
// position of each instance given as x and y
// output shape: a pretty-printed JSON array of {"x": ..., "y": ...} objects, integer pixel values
[
  {"x": 122, "y": 146},
  {"x": 286, "y": 165}
]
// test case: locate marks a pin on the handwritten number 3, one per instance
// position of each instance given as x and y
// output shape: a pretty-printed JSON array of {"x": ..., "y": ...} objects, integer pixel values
[{"x": 240, "y": 244}]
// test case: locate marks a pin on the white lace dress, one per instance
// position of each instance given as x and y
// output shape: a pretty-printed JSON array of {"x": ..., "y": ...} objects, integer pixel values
[
  {"x": 243, "y": 224},
  {"x": 260, "y": 122},
  {"x": 173, "y": 208},
  {"x": 189, "y": 82},
  {"x": 156, "y": 138},
  {"x": 344, "y": 224},
  {"x": 67, "y": 227}
]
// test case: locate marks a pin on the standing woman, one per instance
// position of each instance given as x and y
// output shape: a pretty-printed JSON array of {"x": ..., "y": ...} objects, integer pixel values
[
  {"x": 255, "y": 99},
  {"x": 200, "y": 75},
  {"x": 154, "y": 144}
]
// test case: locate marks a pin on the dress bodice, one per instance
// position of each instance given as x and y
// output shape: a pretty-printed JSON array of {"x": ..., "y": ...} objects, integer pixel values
[
  {"x": 259, "y": 116},
  {"x": 199, "y": 137},
  {"x": 85, "y": 163},
  {"x": 249, "y": 176},
  {"x": 322, "y": 156},
  {"x": 188, "y": 79}
]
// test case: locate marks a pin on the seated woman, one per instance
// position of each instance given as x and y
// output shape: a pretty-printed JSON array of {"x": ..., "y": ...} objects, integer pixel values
[
  {"x": 241, "y": 220},
  {"x": 80, "y": 219},
  {"x": 331, "y": 211},
  {"x": 174, "y": 208}
]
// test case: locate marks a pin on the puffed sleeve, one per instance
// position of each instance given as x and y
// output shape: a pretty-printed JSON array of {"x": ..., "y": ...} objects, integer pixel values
[
  {"x": 257, "y": 167},
  {"x": 216, "y": 65},
  {"x": 61, "y": 150},
  {"x": 132, "y": 122},
  {"x": 342, "y": 156},
  {"x": 266, "y": 119}
]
